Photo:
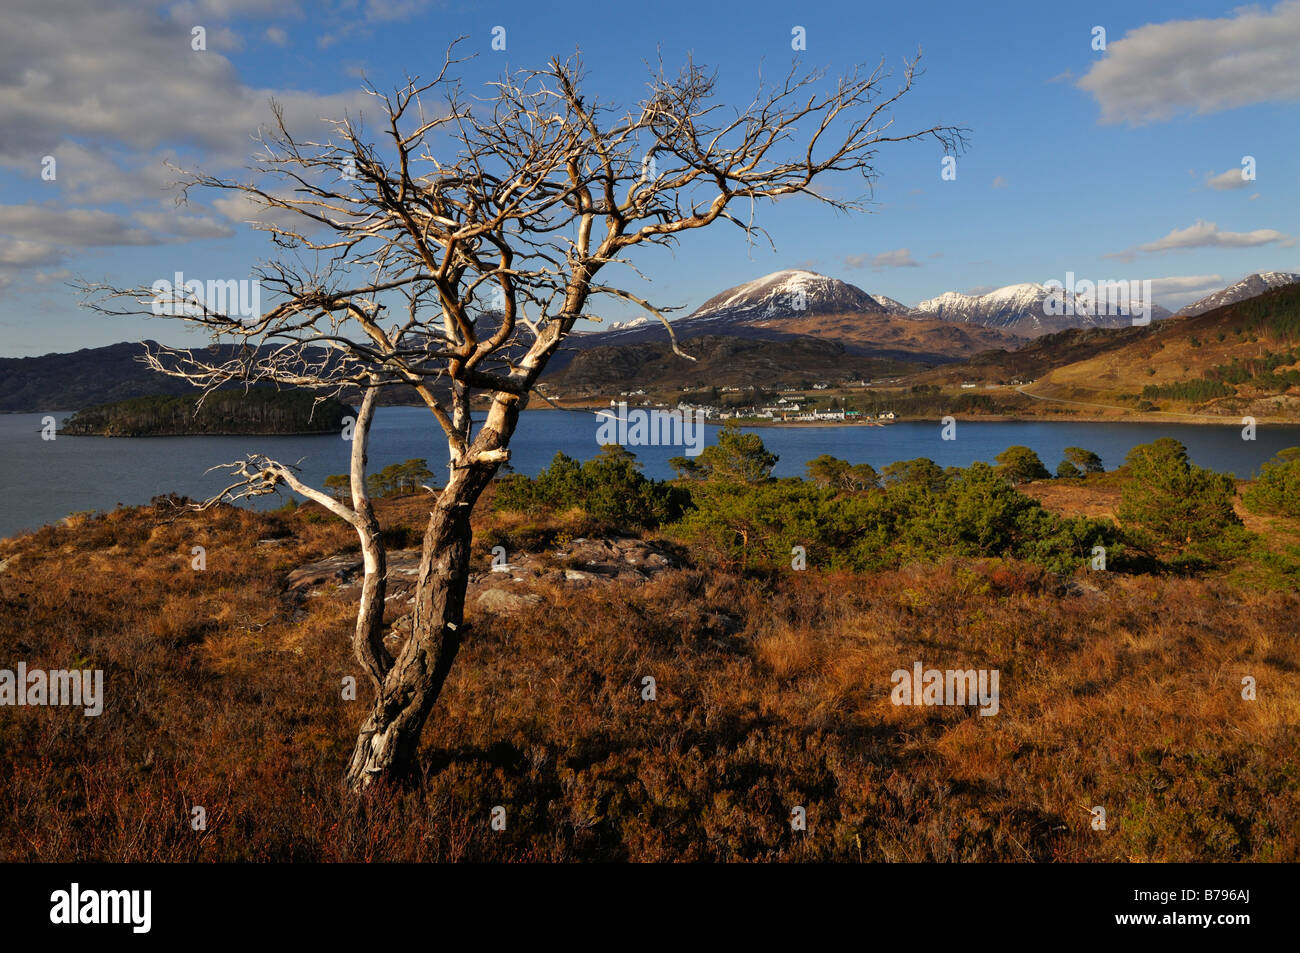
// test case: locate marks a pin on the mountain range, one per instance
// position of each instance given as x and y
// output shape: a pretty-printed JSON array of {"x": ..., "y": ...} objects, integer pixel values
[
  {"x": 816, "y": 322},
  {"x": 795, "y": 303},
  {"x": 1025, "y": 310}
]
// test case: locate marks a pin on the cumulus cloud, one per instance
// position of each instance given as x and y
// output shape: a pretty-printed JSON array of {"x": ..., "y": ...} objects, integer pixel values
[
  {"x": 118, "y": 75},
  {"x": 114, "y": 92},
  {"x": 1182, "y": 284},
  {"x": 36, "y": 238},
  {"x": 1232, "y": 179},
  {"x": 181, "y": 226},
  {"x": 95, "y": 175},
  {"x": 21, "y": 253},
  {"x": 73, "y": 227},
  {"x": 1206, "y": 235},
  {"x": 245, "y": 209},
  {"x": 1163, "y": 70}
]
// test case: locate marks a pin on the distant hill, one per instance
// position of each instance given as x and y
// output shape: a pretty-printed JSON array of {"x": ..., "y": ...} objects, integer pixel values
[
  {"x": 1241, "y": 359},
  {"x": 259, "y": 411},
  {"x": 99, "y": 375},
  {"x": 1035, "y": 358},
  {"x": 721, "y": 361}
]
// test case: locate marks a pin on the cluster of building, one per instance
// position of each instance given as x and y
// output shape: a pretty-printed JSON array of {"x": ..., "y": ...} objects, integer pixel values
[
  {"x": 784, "y": 409},
  {"x": 796, "y": 414}
]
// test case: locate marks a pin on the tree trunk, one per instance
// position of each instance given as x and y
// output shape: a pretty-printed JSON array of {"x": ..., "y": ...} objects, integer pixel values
[{"x": 386, "y": 745}]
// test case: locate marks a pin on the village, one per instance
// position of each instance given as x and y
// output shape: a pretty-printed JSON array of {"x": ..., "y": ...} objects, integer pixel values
[{"x": 793, "y": 407}]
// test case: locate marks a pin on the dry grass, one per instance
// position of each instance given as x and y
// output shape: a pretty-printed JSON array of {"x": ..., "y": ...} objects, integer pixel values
[{"x": 771, "y": 693}]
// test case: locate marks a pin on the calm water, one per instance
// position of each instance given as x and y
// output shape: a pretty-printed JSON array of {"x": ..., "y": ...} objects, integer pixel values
[{"x": 42, "y": 481}]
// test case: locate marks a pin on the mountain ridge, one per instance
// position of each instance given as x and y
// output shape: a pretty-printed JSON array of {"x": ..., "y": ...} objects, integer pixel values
[
  {"x": 1023, "y": 309},
  {"x": 1249, "y": 287}
]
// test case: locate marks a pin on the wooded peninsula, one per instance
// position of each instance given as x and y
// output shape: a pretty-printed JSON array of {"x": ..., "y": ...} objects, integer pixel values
[{"x": 255, "y": 411}]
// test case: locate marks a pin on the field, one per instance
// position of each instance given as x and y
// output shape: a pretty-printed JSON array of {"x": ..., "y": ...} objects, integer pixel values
[{"x": 1120, "y": 690}]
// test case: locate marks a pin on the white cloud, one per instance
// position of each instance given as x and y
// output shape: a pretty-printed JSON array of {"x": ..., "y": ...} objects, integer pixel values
[
  {"x": 242, "y": 208},
  {"x": 113, "y": 92},
  {"x": 88, "y": 175},
  {"x": 999, "y": 182},
  {"x": 1174, "y": 293},
  {"x": 1162, "y": 70},
  {"x": 115, "y": 74},
  {"x": 1186, "y": 283},
  {"x": 23, "y": 253},
  {"x": 184, "y": 226},
  {"x": 277, "y": 36},
  {"x": 74, "y": 227},
  {"x": 1232, "y": 179},
  {"x": 1206, "y": 235}
]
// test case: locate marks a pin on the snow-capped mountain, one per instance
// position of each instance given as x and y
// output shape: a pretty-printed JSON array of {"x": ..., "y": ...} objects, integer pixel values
[
  {"x": 793, "y": 292},
  {"x": 628, "y": 325},
  {"x": 793, "y": 304},
  {"x": 1248, "y": 287},
  {"x": 1023, "y": 309}
]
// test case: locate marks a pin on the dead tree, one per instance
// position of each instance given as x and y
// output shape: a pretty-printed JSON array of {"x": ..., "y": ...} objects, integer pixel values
[{"x": 497, "y": 220}]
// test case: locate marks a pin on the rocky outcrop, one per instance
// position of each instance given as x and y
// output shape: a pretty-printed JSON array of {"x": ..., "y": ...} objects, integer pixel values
[{"x": 506, "y": 587}]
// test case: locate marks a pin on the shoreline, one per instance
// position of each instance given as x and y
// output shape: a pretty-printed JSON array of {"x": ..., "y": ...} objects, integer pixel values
[{"x": 1133, "y": 418}]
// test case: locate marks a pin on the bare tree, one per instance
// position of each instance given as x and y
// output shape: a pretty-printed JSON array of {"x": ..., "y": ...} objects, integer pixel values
[{"x": 495, "y": 220}]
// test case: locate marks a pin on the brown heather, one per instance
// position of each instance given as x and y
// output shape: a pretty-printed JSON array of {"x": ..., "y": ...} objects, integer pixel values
[{"x": 1120, "y": 691}]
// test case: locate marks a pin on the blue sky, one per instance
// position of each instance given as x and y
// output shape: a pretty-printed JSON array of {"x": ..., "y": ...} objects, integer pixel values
[{"x": 1096, "y": 162}]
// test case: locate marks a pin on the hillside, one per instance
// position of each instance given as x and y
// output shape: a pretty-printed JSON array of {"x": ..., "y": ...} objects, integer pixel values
[
  {"x": 720, "y": 362},
  {"x": 96, "y": 375},
  {"x": 1035, "y": 358},
  {"x": 1237, "y": 360},
  {"x": 257, "y": 411},
  {"x": 919, "y": 339},
  {"x": 1119, "y": 688}
]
